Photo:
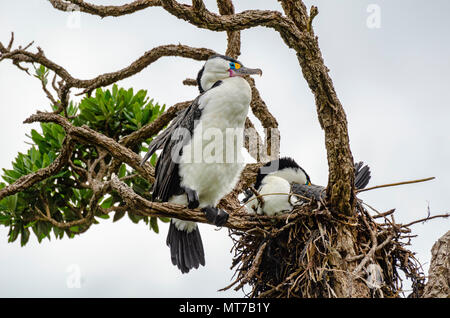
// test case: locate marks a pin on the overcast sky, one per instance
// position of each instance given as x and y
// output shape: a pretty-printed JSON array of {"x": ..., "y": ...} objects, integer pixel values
[{"x": 392, "y": 77}]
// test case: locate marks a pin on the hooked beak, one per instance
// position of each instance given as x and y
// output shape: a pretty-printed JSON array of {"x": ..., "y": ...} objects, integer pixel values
[{"x": 246, "y": 71}]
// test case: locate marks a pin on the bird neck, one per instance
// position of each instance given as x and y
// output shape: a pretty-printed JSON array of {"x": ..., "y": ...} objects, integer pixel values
[
  {"x": 208, "y": 80},
  {"x": 291, "y": 175}
]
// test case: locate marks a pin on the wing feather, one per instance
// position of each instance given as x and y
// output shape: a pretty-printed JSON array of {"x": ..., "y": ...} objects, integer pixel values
[{"x": 171, "y": 141}]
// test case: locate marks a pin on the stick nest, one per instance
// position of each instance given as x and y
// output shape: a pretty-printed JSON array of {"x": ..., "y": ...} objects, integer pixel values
[{"x": 312, "y": 252}]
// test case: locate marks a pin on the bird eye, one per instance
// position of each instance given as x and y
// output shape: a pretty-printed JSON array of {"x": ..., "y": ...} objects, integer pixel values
[{"x": 232, "y": 66}]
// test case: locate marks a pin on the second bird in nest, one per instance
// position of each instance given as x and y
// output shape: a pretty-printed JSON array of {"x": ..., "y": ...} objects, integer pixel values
[{"x": 278, "y": 182}]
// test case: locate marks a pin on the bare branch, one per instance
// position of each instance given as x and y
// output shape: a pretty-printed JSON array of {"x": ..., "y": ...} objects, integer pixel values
[
  {"x": 446, "y": 215},
  {"x": 395, "y": 184},
  {"x": 22, "y": 55},
  {"x": 87, "y": 135},
  {"x": 253, "y": 142},
  {"x": 136, "y": 202},
  {"x": 268, "y": 121},
  {"x": 103, "y": 11},
  {"x": 226, "y": 7},
  {"x": 232, "y": 22},
  {"x": 190, "y": 82}
]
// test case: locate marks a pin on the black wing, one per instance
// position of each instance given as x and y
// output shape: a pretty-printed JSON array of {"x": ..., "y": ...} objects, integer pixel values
[
  {"x": 362, "y": 175},
  {"x": 310, "y": 191},
  {"x": 171, "y": 140}
]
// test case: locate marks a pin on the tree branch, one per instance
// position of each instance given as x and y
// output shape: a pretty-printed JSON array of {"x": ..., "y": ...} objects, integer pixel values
[
  {"x": 103, "y": 11},
  {"x": 226, "y": 7},
  {"x": 29, "y": 180},
  {"x": 87, "y": 135},
  {"x": 22, "y": 55},
  {"x": 149, "y": 208}
]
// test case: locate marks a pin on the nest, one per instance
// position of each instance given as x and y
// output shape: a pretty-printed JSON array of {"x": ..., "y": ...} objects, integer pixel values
[{"x": 312, "y": 252}]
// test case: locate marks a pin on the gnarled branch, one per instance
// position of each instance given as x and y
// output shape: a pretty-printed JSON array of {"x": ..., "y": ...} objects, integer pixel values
[
  {"x": 103, "y": 11},
  {"x": 87, "y": 135}
]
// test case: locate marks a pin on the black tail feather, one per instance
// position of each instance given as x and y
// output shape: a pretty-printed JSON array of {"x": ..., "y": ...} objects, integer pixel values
[
  {"x": 362, "y": 175},
  {"x": 186, "y": 249}
]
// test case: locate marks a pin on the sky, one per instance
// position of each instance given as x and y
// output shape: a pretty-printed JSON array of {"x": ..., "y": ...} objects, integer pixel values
[{"x": 390, "y": 65}]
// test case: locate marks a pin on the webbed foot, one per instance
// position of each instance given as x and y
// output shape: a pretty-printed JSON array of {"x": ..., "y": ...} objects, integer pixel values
[
  {"x": 216, "y": 216},
  {"x": 192, "y": 198}
]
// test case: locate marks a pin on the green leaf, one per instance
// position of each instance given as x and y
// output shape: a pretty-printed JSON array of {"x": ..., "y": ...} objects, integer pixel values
[
  {"x": 74, "y": 228},
  {"x": 154, "y": 224},
  {"x": 122, "y": 170},
  {"x": 25, "y": 236},
  {"x": 11, "y": 202},
  {"x": 115, "y": 90},
  {"x": 37, "y": 138},
  {"x": 107, "y": 203},
  {"x": 134, "y": 218},
  {"x": 77, "y": 194},
  {"x": 45, "y": 160},
  {"x": 13, "y": 174},
  {"x": 30, "y": 224},
  {"x": 118, "y": 215},
  {"x": 153, "y": 160},
  {"x": 59, "y": 233},
  {"x": 13, "y": 233},
  {"x": 165, "y": 220}
]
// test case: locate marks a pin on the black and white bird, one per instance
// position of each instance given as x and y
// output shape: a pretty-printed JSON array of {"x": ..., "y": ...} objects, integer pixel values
[
  {"x": 183, "y": 174},
  {"x": 273, "y": 183},
  {"x": 277, "y": 179}
]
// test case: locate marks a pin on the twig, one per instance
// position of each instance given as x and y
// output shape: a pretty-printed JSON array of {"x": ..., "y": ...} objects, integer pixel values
[
  {"x": 190, "y": 82},
  {"x": 384, "y": 214},
  {"x": 426, "y": 219},
  {"x": 312, "y": 14},
  {"x": 395, "y": 184},
  {"x": 255, "y": 265},
  {"x": 258, "y": 196}
]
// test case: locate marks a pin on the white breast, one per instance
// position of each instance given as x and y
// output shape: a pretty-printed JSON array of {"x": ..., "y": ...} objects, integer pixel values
[
  {"x": 212, "y": 162},
  {"x": 273, "y": 203}
]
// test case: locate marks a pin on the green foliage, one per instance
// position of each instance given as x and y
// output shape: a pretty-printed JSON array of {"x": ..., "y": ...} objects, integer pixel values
[
  {"x": 115, "y": 113},
  {"x": 118, "y": 112},
  {"x": 42, "y": 74}
]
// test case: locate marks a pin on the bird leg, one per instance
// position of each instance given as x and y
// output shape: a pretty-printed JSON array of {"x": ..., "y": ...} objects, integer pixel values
[
  {"x": 192, "y": 198},
  {"x": 215, "y": 216}
]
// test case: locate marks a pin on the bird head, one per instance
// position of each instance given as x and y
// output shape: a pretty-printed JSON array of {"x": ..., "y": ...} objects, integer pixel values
[
  {"x": 219, "y": 67},
  {"x": 285, "y": 168}
]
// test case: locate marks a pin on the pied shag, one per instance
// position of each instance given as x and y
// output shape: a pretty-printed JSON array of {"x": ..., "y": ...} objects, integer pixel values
[
  {"x": 183, "y": 173},
  {"x": 281, "y": 176}
]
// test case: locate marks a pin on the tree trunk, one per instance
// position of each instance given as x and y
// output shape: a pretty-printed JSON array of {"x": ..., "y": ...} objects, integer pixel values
[{"x": 438, "y": 285}]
